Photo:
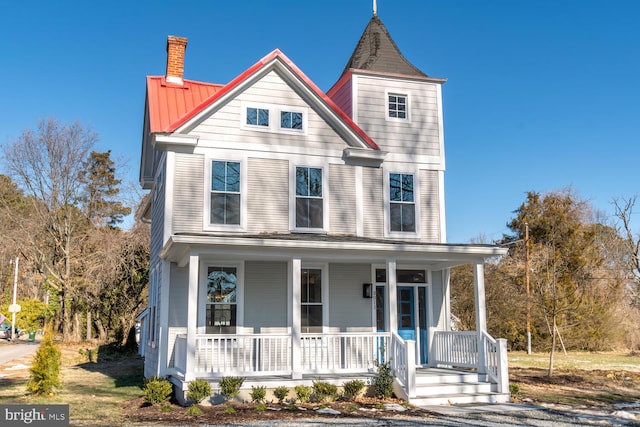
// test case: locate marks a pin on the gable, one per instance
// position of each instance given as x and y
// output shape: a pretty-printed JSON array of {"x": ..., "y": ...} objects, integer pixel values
[{"x": 273, "y": 93}]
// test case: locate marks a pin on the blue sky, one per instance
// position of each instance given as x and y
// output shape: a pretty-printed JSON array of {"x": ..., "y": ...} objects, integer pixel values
[{"x": 541, "y": 95}]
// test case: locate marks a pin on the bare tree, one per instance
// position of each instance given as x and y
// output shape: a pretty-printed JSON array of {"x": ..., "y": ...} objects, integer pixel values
[
  {"x": 47, "y": 164},
  {"x": 624, "y": 211}
]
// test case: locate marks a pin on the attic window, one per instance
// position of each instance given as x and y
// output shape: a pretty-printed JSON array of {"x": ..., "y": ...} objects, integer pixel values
[
  {"x": 398, "y": 106},
  {"x": 258, "y": 116},
  {"x": 291, "y": 120}
]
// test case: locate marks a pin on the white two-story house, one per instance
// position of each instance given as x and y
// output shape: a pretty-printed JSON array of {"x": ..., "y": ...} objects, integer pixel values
[{"x": 298, "y": 234}]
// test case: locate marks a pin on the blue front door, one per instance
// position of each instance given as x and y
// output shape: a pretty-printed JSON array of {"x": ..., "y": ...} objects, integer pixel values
[{"x": 406, "y": 314}]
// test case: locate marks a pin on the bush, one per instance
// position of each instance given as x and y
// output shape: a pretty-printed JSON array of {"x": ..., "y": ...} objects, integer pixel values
[
  {"x": 157, "y": 390},
  {"x": 325, "y": 392},
  {"x": 258, "y": 393},
  {"x": 303, "y": 393},
  {"x": 45, "y": 369},
  {"x": 352, "y": 389},
  {"x": 194, "y": 411},
  {"x": 230, "y": 386},
  {"x": 281, "y": 393},
  {"x": 199, "y": 390},
  {"x": 383, "y": 384}
]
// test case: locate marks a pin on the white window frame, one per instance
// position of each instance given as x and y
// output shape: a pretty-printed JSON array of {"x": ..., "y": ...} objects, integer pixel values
[
  {"x": 206, "y": 217},
  {"x": 407, "y": 95},
  {"x": 202, "y": 291},
  {"x": 324, "y": 275},
  {"x": 292, "y": 197},
  {"x": 387, "y": 204},
  {"x": 274, "y": 118}
]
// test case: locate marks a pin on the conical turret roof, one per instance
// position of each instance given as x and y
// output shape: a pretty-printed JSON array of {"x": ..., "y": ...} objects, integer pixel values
[{"x": 376, "y": 51}]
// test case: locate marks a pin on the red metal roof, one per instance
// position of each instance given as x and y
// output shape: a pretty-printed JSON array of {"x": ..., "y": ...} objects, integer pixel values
[
  {"x": 168, "y": 102},
  {"x": 171, "y": 105}
]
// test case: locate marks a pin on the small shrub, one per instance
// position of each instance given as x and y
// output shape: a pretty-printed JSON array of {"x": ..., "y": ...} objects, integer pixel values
[
  {"x": 45, "y": 369},
  {"x": 303, "y": 393},
  {"x": 325, "y": 392},
  {"x": 281, "y": 393},
  {"x": 230, "y": 386},
  {"x": 261, "y": 407},
  {"x": 258, "y": 393},
  {"x": 157, "y": 390},
  {"x": 352, "y": 389},
  {"x": 352, "y": 408},
  {"x": 90, "y": 354},
  {"x": 166, "y": 408},
  {"x": 514, "y": 389},
  {"x": 199, "y": 390},
  {"x": 230, "y": 410},
  {"x": 194, "y": 411},
  {"x": 383, "y": 384}
]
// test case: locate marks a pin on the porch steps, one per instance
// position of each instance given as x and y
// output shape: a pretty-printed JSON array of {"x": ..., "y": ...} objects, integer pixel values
[{"x": 445, "y": 386}]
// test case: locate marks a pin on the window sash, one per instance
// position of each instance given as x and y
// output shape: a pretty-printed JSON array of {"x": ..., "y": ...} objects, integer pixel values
[
  {"x": 309, "y": 200},
  {"x": 225, "y": 201},
  {"x": 291, "y": 120},
  {"x": 221, "y": 306},
  {"x": 311, "y": 317},
  {"x": 397, "y": 106},
  {"x": 257, "y": 116}
]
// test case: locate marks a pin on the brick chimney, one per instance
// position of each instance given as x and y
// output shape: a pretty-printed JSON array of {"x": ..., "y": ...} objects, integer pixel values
[{"x": 175, "y": 59}]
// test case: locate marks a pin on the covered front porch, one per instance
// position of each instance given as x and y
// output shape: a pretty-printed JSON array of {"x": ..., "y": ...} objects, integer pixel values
[{"x": 369, "y": 304}]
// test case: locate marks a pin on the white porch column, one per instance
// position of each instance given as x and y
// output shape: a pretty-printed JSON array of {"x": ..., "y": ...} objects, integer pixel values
[
  {"x": 393, "y": 296},
  {"x": 295, "y": 320},
  {"x": 163, "y": 320},
  {"x": 192, "y": 317},
  {"x": 481, "y": 311}
]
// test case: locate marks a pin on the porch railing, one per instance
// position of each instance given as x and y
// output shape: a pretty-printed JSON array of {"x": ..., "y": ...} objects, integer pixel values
[
  {"x": 271, "y": 354},
  {"x": 467, "y": 349}
]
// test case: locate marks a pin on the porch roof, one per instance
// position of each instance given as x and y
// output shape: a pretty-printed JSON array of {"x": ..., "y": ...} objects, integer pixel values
[{"x": 319, "y": 247}]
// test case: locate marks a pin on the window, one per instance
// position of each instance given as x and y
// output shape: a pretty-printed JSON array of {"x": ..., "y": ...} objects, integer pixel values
[
  {"x": 402, "y": 210},
  {"x": 221, "y": 311},
  {"x": 309, "y": 202},
  {"x": 258, "y": 116},
  {"x": 397, "y": 106},
  {"x": 225, "y": 193},
  {"x": 290, "y": 120},
  {"x": 311, "y": 287}
]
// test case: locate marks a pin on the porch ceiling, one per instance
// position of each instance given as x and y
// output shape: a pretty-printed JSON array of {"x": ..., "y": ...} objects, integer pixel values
[{"x": 325, "y": 248}]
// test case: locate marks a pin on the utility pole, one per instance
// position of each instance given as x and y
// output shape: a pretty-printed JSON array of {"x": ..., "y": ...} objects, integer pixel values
[
  {"x": 13, "y": 311},
  {"x": 526, "y": 276}
]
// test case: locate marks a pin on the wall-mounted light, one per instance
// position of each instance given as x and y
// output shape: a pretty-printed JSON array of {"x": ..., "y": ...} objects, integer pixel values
[{"x": 366, "y": 290}]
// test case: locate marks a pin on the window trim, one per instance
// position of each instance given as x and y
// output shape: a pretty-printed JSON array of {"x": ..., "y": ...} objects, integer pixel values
[
  {"x": 207, "y": 225},
  {"x": 293, "y": 198},
  {"x": 324, "y": 276},
  {"x": 407, "y": 95},
  {"x": 202, "y": 291},
  {"x": 387, "y": 203}
]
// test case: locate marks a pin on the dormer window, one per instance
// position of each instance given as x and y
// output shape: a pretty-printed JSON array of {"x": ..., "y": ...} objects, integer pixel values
[
  {"x": 397, "y": 106},
  {"x": 257, "y": 116}
]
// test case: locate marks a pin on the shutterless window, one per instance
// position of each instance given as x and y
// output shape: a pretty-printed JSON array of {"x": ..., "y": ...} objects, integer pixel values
[
  {"x": 225, "y": 193},
  {"x": 290, "y": 120},
  {"x": 311, "y": 287},
  {"x": 402, "y": 210},
  {"x": 397, "y": 106},
  {"x": 221, "y": 300},
  {"x": 309, "y": 204},
  {"x": 258, "y": 117}
]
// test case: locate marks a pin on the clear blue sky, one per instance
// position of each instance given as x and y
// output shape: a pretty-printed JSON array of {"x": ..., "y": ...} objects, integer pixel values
[{"x": 541, "y": 95}]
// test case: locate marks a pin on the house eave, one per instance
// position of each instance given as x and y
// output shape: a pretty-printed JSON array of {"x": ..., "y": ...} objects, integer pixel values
[{"x": 436, "y": 255}]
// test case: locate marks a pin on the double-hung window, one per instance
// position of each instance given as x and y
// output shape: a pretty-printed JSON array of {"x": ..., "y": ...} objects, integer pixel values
[
  {"x": 309, "y": 198},
  {"x": 311, "y": 290},
  {"x": 225, "y": 193},
  {"x": 221, "y": 310},
  {"x": 402, "y": 206}
]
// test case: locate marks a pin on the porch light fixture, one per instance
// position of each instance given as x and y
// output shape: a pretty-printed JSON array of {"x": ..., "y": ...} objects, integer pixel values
[{"x": 366, "y": 290}]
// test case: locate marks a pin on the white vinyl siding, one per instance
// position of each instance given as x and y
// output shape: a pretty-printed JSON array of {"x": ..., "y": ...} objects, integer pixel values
[
  {"x": 266, "y": 295},
  {"x": 347, "y": 307},
  {"x": 342, "y": 200},
  {"x": 373, "y": 203},
  {"x": 225, "y": 123},
  {"x": 399, "y": 136},
  {"x": 268, "y": 196},
  {"x": 188, "y": 191},
  {"x": 429, "y": 206}
]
